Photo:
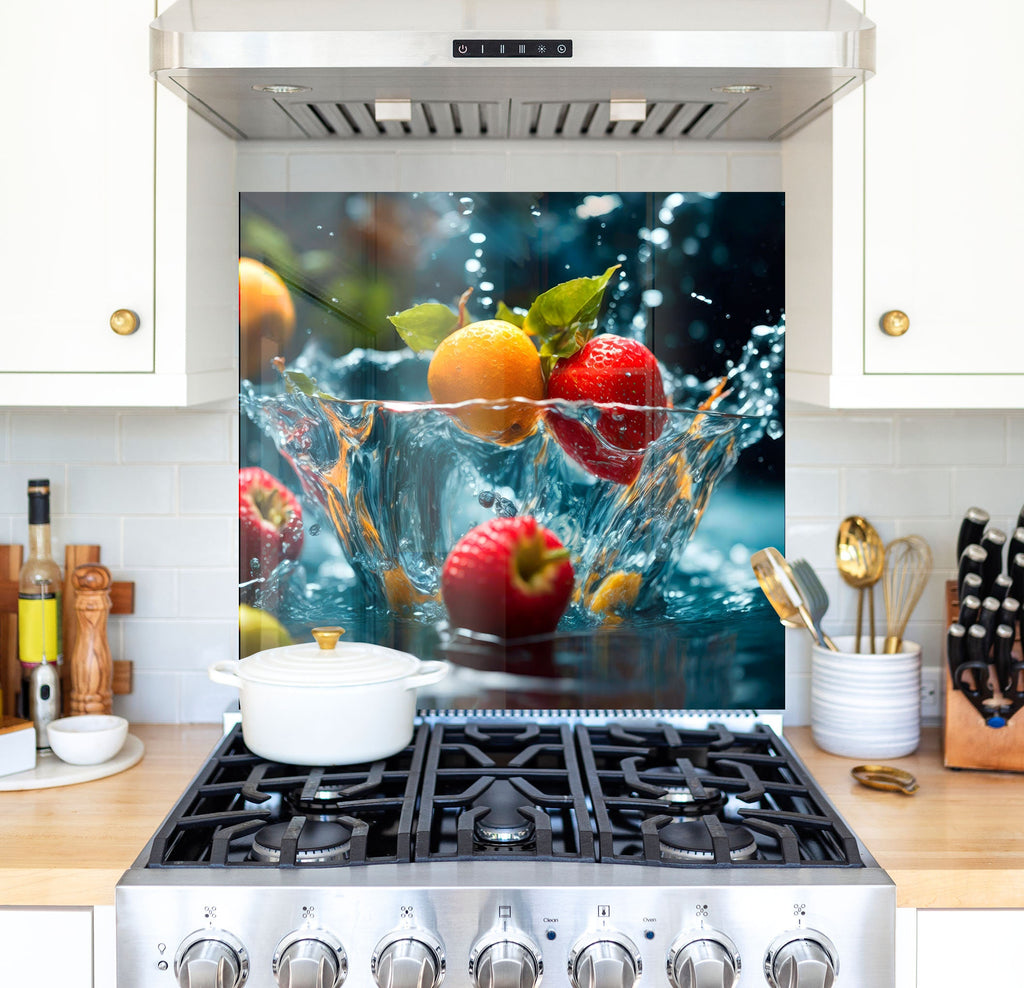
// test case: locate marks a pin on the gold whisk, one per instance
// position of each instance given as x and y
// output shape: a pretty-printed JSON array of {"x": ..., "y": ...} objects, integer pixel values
[{"x": 908, "y": 564}]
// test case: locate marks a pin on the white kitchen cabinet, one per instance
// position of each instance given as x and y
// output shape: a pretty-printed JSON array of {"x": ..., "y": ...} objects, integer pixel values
[
  {"x": 46, "y": 947},
  {"x": 98, "y": 217},
  {"x": 905, "y": 198},
  {"x": 968, "y": 947}
]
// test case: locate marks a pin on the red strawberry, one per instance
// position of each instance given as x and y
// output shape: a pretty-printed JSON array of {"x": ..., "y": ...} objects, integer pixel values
[
  {"x": 611, "y": 370},
  {"x": 269, "y": 523},
  {"x": 508, "y": 577}
]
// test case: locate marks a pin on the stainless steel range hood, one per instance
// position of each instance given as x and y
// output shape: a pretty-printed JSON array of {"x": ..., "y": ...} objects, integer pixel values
[{"x": 484, "y": 69}]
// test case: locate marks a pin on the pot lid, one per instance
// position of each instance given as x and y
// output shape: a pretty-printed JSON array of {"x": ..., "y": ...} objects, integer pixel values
[{"x": 328, "y": 662}]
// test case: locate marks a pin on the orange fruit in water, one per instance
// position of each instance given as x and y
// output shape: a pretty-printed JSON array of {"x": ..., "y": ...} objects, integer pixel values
[
  {"x": 266, "y": 318},
  {"x": 496, "y": 361}
]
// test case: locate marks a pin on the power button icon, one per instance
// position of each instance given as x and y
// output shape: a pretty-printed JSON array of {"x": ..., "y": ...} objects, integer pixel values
[{"x": 463, "y": 49}]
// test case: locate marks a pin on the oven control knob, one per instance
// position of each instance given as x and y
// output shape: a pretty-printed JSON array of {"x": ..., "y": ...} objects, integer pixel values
[
  {"x": 606, "y": 960},
  {"x": 705, "y": 960},
  {"x": 505, "y": 961},
  {"x": 310, "y": 959},
  {"x": 409, "y": 959},
  {"x": 801, "y": 959},
  {"x": 211, "y": 959}
]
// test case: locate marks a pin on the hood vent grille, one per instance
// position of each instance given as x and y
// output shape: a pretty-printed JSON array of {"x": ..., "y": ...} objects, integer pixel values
[{"x": 574, "y": 119}]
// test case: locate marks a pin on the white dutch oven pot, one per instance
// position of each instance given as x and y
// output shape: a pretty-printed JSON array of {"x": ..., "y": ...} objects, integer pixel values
[{"x": 325, "y": 702}]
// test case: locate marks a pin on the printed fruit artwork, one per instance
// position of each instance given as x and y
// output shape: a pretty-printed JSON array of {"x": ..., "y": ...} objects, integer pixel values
[
  {"x": 269, "y": 524},
  {"x": 509, "y": 577},
  {"x": 496, "y": 361},
  {"x": 266, "y": 318},
  {"x": 258, "y": 630},
  {"x": 617, "y": 371}
]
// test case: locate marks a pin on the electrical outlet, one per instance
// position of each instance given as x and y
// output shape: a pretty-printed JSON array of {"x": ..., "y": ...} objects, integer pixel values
[{"x": 931, "y": 694}]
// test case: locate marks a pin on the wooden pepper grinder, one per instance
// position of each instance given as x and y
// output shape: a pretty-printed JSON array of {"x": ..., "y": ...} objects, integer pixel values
[{"x": 92, "y": 670}]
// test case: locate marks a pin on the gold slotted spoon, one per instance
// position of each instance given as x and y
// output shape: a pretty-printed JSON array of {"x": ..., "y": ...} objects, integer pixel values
[{"x": 860, "y": 559}]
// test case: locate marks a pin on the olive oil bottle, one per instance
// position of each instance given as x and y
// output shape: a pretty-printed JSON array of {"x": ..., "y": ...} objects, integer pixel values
[{"x": 39, "y": 594}]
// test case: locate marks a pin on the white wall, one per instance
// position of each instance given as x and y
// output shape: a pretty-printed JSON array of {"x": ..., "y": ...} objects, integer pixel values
[{"x": 157, "y": 489}]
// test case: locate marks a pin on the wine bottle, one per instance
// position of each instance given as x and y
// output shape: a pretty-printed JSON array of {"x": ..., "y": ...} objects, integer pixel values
[{"x": 39, "y": 592}]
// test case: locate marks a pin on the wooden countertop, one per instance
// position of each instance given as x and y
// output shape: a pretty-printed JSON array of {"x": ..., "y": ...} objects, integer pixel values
[{"x": 958, "y": 843}]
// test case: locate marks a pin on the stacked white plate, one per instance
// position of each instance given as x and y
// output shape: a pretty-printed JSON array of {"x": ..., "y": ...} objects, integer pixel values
[{"x": 866, "y": 705}]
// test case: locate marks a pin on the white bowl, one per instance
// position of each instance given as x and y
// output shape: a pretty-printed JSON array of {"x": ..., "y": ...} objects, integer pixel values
[{"x": 88, "y": 739}]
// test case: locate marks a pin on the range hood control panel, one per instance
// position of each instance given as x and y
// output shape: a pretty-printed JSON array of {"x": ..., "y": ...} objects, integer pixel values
[{"x": 514, "y": 48}]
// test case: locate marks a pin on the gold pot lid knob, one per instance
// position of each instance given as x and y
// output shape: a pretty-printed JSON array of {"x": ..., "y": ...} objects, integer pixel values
[
  {"x": 327, "y": 638},
  {"x": 124, "y": 322},
  {"x": 895, "y": 323}
]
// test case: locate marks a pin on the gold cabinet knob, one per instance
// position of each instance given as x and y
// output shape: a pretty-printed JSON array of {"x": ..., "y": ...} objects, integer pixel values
[
  {"x": 124, "y": 322},
  {"x": 895, "y": 323}
]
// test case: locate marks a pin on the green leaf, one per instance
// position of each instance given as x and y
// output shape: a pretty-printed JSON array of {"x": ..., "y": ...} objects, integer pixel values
[
  {"x": 564, "y": 317},
  {"x": 424, "y": 326},
  {"x": 505, "y": 314},
  {"x": 297, "y": 381}
]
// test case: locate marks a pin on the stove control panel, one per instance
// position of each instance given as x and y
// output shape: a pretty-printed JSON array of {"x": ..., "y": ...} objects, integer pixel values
[
  {"x": 801, "y": 959},
  {"x": 707, "y": 960},
  {"x": 469, "y": 935}
]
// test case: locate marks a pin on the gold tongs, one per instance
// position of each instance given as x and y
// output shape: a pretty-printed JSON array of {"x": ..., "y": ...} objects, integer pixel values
[{"x": 885, "y": 777}]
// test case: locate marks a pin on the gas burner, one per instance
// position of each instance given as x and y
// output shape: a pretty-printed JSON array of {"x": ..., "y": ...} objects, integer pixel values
[
  {"x": 502, "y": 823},
  {"x": 326, "y": 803},
  {"x": 681, "y": 801},
  {"x": 318, "y": 843},
  {"x": 691, "y": 841}
]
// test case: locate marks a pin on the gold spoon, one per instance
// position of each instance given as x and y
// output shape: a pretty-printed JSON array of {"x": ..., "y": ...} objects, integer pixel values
[
  {"x": 860, "y": 559},
  {"x": 775, "y": 578}
]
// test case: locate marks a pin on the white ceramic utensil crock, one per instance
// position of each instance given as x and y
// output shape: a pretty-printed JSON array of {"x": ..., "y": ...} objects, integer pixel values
[{"x": 325, "y": 702}]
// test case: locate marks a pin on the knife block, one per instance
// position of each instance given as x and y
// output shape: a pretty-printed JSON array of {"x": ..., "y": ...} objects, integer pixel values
[{"x": 967, "y": 741}]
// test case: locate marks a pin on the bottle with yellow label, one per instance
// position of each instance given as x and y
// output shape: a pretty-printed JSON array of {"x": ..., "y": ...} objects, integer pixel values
[{"x": 39, "y": 590}]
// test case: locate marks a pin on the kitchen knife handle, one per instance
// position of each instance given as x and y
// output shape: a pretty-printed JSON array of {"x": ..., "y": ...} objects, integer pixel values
[
  {"x": 1016, "y": 546},
  {"x": 970, "y": 608},
  {"x": 1017, "y": 575},
  {"x": 955, "y": 653},
  {"x": 1001, "y": 587},
  {"x": 972, "y": 560},
  {"x": 993, "y": 542},
  {"x": 988, "y": 618},
  {"x": 971, "y": 528},
  {"x": 1009, "y": 612},
  {"x": 977, "y": 663},
  {"x": 1004, "y": 644}
]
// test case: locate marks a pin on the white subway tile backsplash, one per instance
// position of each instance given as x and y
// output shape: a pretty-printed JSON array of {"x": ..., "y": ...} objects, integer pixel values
[
  {"x": 210, "y": 593},
  {"x": 955, "y": 439},
  {"x": 418, "y": 172},
  {"x": 154, "y": 699},
  {"x": 180, "y": 541},
  {"x": 363, "y": 172},
  {"x": 999, "y": 490},
  {"x": 839, "y": 440},
  {"x": 656, "y": 172},
  {"x": 179, "y": 645},
  {"x": 184, "y": 436},
  {"x": 582, "y": 169},
  {"x": 115, "y": 489},
  {"x": 209, "y": 490},
  {"x": 1015, "y": 439},
  {"x": 812, "y": 492},
  {"x": 755, "y": 172},
  {"x": 897, "y": 493},
  {"x": 70, "y": 437},
  {"x": 812, "y": 540},
  {"x": 101, "y": 530},
  {"x": 203, "y": 701},
  {"x": 260, "y": 170},
  {"x": 156, "y": 591},
  {"x": 14, "y": 478}
]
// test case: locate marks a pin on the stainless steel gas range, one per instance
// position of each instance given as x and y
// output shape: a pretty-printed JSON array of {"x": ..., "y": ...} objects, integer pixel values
[{"x": 506, "y": 850}]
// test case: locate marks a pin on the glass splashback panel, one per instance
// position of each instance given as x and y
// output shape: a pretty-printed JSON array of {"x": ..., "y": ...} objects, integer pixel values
[{"x": 536, "y": 435}]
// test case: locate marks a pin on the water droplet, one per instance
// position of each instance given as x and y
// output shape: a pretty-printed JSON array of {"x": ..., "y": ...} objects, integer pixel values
[
  {"x": 477, "y": 238},
  {"x": 774, "y": 429},
  {"x": 314, "y": 529},
  {"x": 472, "y": 265},
  {"x": 652, "y": 298}
]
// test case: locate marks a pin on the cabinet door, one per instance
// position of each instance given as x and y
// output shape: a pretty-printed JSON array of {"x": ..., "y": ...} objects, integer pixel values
[
  {"x": 42, "y": 946},
  {"x": 952, "y": 945},
  {"x": 76, "y": 186},
  {"x": 944, "y": 214}
]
